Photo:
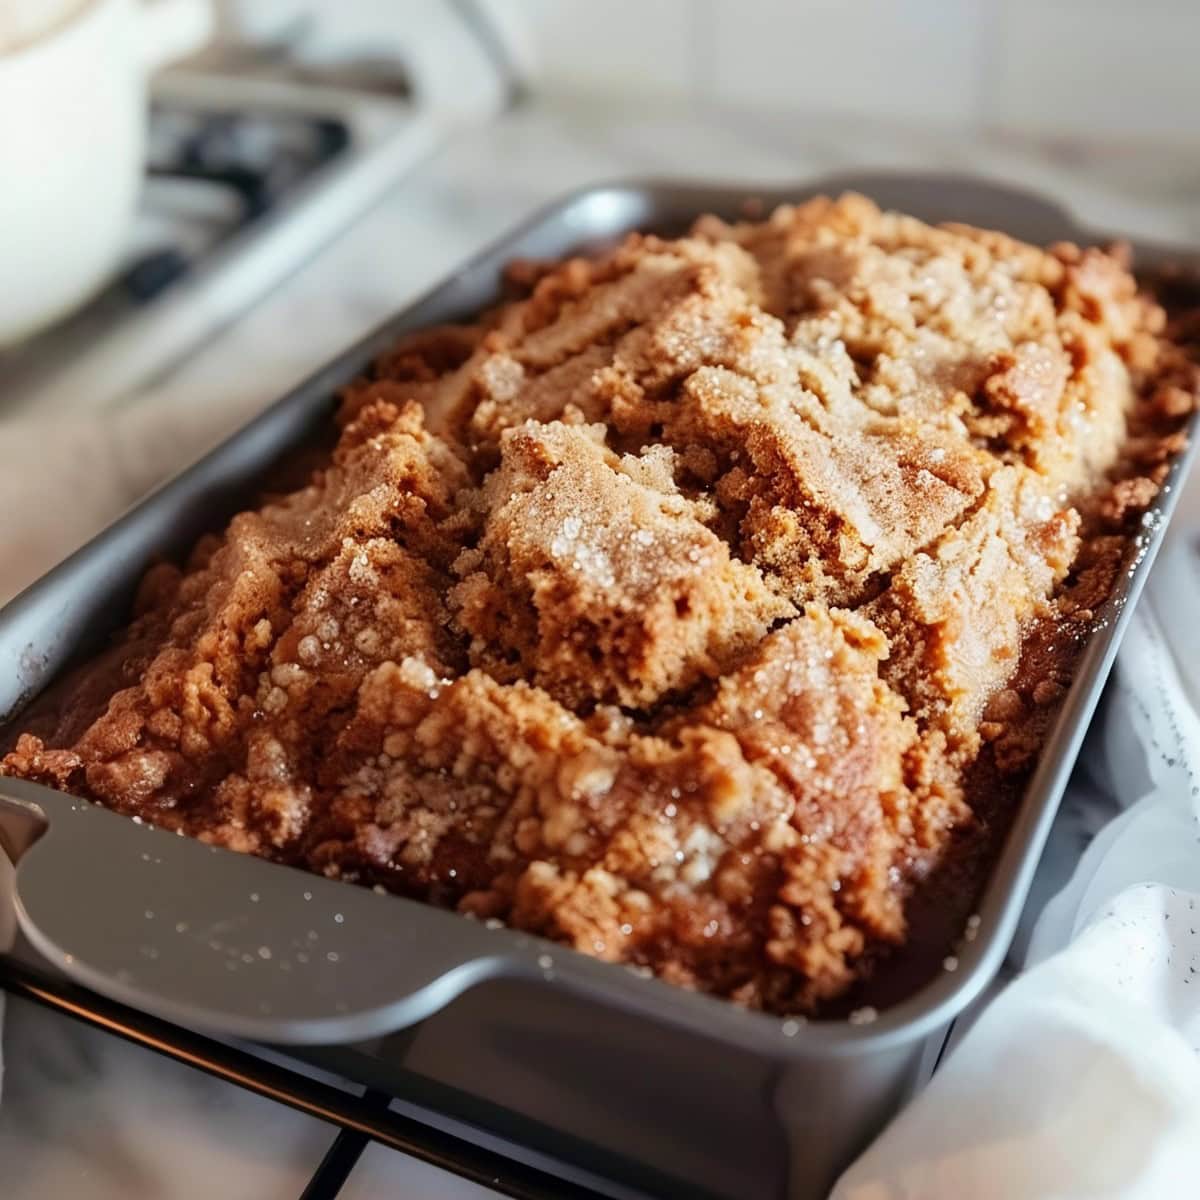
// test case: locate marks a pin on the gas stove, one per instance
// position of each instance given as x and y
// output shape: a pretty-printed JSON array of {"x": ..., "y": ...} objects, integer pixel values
[{"x": 247, "y": 176}]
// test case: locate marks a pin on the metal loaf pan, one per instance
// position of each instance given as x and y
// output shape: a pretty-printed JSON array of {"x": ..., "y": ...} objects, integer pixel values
[{"x": 642, "y": 1087}]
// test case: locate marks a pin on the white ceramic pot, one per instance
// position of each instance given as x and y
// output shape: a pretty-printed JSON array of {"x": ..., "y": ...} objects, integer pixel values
[{"x": 72, "y": 137}]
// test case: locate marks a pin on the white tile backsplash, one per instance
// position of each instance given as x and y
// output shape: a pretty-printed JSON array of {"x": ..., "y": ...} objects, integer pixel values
[
  {"x": 1116, "y": 71},
  {"x": 639, "y": 46},
  {"x": 1107, "y": 69},
  {"x": 915, "y": 60}
]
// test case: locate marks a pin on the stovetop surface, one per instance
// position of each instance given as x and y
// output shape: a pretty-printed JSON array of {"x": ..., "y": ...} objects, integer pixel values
[{"x": 246, "y": 177}]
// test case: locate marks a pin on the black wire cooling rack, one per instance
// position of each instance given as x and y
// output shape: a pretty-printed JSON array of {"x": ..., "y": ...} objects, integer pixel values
[{"x": 360, "y": 1117}]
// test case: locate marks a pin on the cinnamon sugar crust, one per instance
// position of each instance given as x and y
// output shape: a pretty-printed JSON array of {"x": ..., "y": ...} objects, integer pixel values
[{"x": 670, "y": 610}]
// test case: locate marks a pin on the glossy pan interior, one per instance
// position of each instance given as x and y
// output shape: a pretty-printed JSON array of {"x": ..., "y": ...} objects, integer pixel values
[{"x": 221, "y": 941}]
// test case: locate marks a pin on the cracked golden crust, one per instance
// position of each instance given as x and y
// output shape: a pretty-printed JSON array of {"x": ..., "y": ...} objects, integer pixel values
[
  {"x": 664, "y": 611},
  {"x": 595, "y": 579}
]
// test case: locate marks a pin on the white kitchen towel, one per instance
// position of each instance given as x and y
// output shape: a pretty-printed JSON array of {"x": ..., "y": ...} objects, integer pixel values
[{"x": 1081, "y": 1079}]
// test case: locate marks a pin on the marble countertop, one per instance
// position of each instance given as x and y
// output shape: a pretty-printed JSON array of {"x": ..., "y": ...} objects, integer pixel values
[{"x": 87, "y": 1116}]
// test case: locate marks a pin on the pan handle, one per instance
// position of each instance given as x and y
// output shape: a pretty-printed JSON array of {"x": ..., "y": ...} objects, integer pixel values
[{"x": 221, "y": 941}]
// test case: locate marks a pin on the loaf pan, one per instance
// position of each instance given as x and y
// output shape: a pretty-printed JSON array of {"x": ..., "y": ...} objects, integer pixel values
[{"x": 744, "y": 1104}]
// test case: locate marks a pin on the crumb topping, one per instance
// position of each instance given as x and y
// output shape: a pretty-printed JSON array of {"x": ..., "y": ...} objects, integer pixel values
[{"x": 666, "y": 610}]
